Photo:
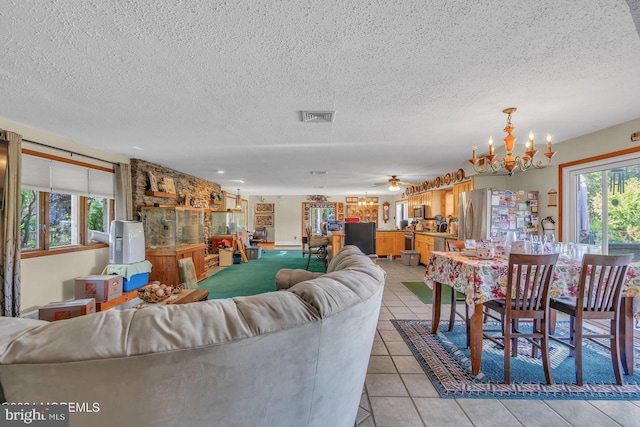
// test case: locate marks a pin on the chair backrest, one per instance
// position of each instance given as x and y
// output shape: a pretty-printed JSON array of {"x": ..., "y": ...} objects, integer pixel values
[
  {"x": 456, "y": 245},
  {"x": 260, "y": 233},
  {"x": 528, "y": 281},
  {"x": 188, "y": 273},
  {"x": 601, "y": 280}
]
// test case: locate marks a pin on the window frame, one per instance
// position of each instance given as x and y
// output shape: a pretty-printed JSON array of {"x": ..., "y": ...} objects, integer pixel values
[
  {"x": 83, "y": 212},
  {"x": 566, "y": 174}
]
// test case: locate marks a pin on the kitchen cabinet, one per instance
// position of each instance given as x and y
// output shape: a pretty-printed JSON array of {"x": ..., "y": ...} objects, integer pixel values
[
  {"x": 424, "y": 245},
  {"x": 389, "y": 243},
  {"x": 458, "y": 188}
]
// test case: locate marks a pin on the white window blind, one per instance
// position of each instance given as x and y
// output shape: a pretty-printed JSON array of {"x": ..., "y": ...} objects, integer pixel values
[
  {"x": 101, "y": 184},
  {"x": 36, "y": 173},
  {"x": 52, "y": 176}
]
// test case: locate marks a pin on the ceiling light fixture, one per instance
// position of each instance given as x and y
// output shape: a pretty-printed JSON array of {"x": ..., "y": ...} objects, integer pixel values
[
  {"x": 394, "y": 186},
  {"x": 488, "y": 163},
  {"x": 238, "y": 201},
  {"x": 364, "y": 201}
]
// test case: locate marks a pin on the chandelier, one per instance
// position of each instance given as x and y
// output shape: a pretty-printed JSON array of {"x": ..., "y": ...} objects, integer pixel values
[
  {"x": 365, "y": 201},
  {"x": 489, "y": 162}
]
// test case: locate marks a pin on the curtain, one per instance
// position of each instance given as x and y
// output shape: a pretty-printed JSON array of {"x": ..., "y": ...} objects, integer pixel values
[
  {"x": 124, "y": 192},
  {"x": 10, "y": 230}
]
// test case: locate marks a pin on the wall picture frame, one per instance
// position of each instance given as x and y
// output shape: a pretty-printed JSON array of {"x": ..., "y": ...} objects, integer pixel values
[
  {"x": 169, "y": 185},
  {"x": 264, "y": 208},
  {"x": 153, "y": 181},
  {"x": 264, "y": 220}
]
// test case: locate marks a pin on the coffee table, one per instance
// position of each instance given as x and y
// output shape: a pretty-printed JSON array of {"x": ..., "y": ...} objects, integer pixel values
[{"x": 190, "y": 295}]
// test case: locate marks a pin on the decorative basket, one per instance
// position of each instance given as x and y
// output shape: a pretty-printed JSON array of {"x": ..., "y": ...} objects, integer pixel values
[{"x": 157, "y": 293}]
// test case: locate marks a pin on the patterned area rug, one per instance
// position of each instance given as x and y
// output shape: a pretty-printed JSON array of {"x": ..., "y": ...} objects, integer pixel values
[{"x": 446, "y": 362}]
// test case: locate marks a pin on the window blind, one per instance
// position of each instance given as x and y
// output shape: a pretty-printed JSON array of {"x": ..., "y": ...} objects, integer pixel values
[{"x": 53, "y": 176}]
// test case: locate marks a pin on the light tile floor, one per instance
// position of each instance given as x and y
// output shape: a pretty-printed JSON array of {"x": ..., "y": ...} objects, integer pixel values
[{"x": 398, "y": 393}]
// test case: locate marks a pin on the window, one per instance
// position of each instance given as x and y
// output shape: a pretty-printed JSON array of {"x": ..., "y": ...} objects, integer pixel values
[
  {"x": 603, "y": 204},
  {"x": 61, "y": 202}
]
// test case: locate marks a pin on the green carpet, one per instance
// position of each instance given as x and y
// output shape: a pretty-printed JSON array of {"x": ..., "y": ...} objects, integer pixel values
[
  {"x": 256, "y": 276},
  {"x": 422, "y": 291}
]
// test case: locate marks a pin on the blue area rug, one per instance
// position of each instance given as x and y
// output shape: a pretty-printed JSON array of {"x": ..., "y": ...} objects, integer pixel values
[{"x": 447, "y": 363}]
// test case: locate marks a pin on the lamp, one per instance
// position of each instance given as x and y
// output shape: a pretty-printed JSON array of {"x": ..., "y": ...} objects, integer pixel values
[
  {"x": 511, "y": 163},
  {"x": 238, "y": 201},
  {"x": 394, "y": 186}
]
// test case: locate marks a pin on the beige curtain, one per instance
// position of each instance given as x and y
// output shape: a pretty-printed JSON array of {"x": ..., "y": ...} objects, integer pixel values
[
  {"x": 10, "y": 230},
  {"x": 124, "y": 192}
]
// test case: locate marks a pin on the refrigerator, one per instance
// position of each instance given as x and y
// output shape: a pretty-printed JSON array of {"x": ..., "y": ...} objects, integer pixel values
[
  {"x": 362, "y": 235},
  {"x": 487, "y": 213}
]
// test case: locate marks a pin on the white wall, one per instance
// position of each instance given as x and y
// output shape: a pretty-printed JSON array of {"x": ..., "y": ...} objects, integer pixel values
[
  {"x": 288, "y": 216},
  {"x": 615, "y": 138},
  {"x": 50, "y": 278}
]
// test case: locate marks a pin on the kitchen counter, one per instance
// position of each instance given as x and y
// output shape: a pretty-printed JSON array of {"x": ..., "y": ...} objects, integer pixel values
[{"x": 437, "y": 234}]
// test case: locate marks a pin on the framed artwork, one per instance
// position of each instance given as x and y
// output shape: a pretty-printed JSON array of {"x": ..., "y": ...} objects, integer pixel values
[
  {"x": 153, "y": 181},
  {"x": 264, "y": 220},
  {"x": 264, "y": 208},
  {"x": 169, "y": 185},
  {"x": 352, "y": 200}
]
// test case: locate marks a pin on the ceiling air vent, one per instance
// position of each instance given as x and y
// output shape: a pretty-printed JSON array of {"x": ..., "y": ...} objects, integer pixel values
[{"x": 318, "y": 116}]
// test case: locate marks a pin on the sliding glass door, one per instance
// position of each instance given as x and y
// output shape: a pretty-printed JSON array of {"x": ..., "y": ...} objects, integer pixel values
[{"x": 603, "y": 205}]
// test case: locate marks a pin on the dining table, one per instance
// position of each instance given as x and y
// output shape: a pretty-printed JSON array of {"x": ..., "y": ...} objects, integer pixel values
[{"x": 482, "y": 280}]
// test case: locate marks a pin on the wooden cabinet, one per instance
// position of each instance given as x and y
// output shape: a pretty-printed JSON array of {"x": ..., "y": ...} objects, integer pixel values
[
  {"x": 165, "y": 263},
  {"x": 399, "y": 242},
  {"x": 365, "y": 213},
  {"x": 458, "y": 188},
  {"x": 389, "y": 243},
  {"x": 424, "y": 245}
]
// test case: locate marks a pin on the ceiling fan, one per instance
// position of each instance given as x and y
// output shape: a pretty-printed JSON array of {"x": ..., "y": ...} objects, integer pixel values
[{"x": 394, "y": 183}]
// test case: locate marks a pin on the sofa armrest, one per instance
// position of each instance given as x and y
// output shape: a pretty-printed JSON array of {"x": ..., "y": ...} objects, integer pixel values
[{"x": 287, "y": 277}]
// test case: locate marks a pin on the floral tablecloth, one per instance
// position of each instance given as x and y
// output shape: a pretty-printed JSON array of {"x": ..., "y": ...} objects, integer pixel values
[{"x": 484, "y": 280}]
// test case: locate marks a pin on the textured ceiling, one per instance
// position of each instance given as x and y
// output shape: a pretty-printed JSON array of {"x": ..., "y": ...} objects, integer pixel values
[{"x": 203, "y": 86}]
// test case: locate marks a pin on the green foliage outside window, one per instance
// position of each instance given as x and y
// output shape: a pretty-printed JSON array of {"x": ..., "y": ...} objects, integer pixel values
[{"x": 623, "y": 216}]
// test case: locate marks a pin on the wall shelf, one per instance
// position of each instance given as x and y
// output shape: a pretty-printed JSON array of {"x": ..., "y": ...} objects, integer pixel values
[{"x": 160, "y": 194}]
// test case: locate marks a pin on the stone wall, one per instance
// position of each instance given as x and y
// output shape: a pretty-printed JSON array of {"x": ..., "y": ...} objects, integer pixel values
[{"x": 195, "y": 191}]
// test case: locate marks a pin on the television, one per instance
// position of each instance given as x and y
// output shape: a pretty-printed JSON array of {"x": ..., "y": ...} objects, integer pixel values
[{"x": 126, "y": 242}]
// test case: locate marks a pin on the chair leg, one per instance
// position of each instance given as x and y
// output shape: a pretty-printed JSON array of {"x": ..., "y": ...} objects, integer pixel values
[
  {"x": 536, "y": 328},
  {"x": 578, "y": 352},
  {"x": 546, "y": 362},
  {"x": 452, "y": 315},
  {"x": 308, "y": 259},
  {"x": 468, "y": 324},
  {"x": 507, "y": 355},
  {"x": 615, "y": 350},
  {"x": 514, "y": 347}
]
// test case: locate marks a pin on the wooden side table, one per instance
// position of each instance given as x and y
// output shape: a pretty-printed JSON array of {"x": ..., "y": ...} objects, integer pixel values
[{"x": 190, "y": 295}]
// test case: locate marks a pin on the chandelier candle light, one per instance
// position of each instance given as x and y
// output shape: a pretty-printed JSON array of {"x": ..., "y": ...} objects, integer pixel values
[{"x": 511, "y": 163}]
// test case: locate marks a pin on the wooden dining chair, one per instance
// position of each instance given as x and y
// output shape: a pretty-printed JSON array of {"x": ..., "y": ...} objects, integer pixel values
[
  {"x": 457, "y": 246},
  {"x": 318, "y": 247},
  {"x": 599, "y": 296},
  {"x": 527, "y": 298}
]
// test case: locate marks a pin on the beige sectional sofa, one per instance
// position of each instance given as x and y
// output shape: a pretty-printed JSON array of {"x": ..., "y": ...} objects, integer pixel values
[{"x": 295, "y": 357}]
